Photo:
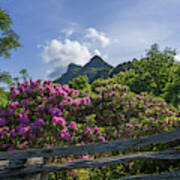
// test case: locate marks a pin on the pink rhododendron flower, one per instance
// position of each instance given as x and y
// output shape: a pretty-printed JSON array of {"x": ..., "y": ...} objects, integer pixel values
[
  {"x": 108, "y": 86},
  {"x": 72, "y": 133},
  {"x": 32, "y": 83},
  {"x": 15, "y": 92},
  {"x": 58, "y": 120},
  {"x": 75, "y": 92},
  {"x": 151, "y": 104},
  {"x": 138, "y": 96},
  {"x": 116, "y": 85},
  {"x": 96, "y": 130},
  {"x": 52, "y": 99},
  {"x": 145, "y": 128},
  {"x": 73, "y": 125},
  {"x": 131, "y": 103},
  {"x": 115, "y": 132},
  {"x": 24, "y": 102},
  {"x": 3, "y": 113},
  {"x": 55, "y": 111},
  {"x": 4, "y": 131},
  {"x": 77, "y": 102},
  {"x": 39, "y": 122},
  {"x": 32, "y": 137},
  {"x": 147, "y": 113},
  {"x": 28, "y": 90},
  {"x": 2, "y": 122},
  {"x": 11, "y": 148},
  {"x": 88, "y": 131},
  {"x": 100, "y": 97},
  {"x": 129, "y": 125},
  {"x": 21, "y": 88},
  {"x": 64, "y": 135},
  {"x": 137, "y": 126},
  {"x": 85, "y": 157},
  {"x": 101, "y": 138},
  {"x": 122, "y": 115},
  {"x": 12, "y": 88},
  {"x": 169, "y": 112},
  {"x": 50, "y": 89},
  {"x": 13, "y": 132},
  {"x": 40, "y": 107},
  {"x": 24, "y": 120},
  {"x": 63, "y": 94},
  {"x": 19, "y": 146},
  {"x": 152, "y": 118},
  {"x": 13, "y": 104},
  {"x": 160, "y": 104},
  {"x": 75, "y": 172},
  {"x": 21, "y": 130}
]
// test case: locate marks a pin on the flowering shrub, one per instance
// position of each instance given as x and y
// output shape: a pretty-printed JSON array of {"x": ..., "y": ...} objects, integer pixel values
[
  {"x": 36, "y": 116},
  {"x": 48, "y": 115},
  {"x": 121, "y": 114},
  {"x": 118, "y": 107}
]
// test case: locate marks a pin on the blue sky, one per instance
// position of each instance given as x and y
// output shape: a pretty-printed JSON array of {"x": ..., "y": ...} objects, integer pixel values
[{"x": 55, "y": 33}]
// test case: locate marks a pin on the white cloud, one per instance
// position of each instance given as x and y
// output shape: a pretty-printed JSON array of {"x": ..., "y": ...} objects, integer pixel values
[
  {"x": 67, "y": 32},
  {"x": 97, "y": 52},
  {"x": 177, "y": 57},
  {"x": 94, "y": 35},
  {"x": 59, "y": 54},
  {"x": 65, "y": 52}
]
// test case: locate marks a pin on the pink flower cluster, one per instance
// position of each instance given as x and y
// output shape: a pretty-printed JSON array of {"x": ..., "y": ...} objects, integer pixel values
[{"x": 32, "y": 110}]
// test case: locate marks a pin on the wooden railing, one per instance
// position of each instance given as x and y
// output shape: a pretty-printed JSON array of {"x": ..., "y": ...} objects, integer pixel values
[{"x": 30, "y": 164}]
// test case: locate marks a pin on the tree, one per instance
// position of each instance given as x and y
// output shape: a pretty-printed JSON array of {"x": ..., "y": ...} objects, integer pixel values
[
  {"x": 150, "y": 73},
  {"x": 24, "y": 74},
  {"x": 98, "y": 83},
  {"x": 172, "y": 88},
  {"x": 8, "y": 38},
  {"x": 80, "y": 83},
  {"x": 6, "y": 80}
]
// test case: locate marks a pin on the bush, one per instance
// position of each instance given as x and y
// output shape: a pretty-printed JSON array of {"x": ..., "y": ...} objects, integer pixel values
[{"x": 49, "y": 115}]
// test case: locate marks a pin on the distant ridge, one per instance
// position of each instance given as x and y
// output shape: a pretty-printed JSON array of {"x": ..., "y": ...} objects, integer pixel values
[
  {"x": 71, "y": 73},
  {"x": 97, "y": 62},
  {"x": 94, "y": 69}
]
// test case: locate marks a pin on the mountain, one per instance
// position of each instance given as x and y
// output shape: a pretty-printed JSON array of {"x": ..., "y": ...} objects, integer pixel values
[
  {"x": 94, "y": 69},
  {"x": 71, "y": 73},
  {"x": 121, "y": 68}
]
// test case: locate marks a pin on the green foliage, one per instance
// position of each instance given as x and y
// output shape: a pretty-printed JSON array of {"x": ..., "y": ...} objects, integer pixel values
[
  {"x": 172, "y": 88},
  {"x": 98, "y": 83},
  {"x": 3, "y": 98},
  {"x": 80, "y": 83},
  {"x": 138, "y": 83},
  {"x": 121, "y": 114},
  {"x": 7, "y": 80},
  {"x": 24, "y": 74},
  {"x": 9, "y": 39},
  {"x": 49, "y": 115},
  {"x": 121, "y": 68},
  {"x": 154, "y": 74}
]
